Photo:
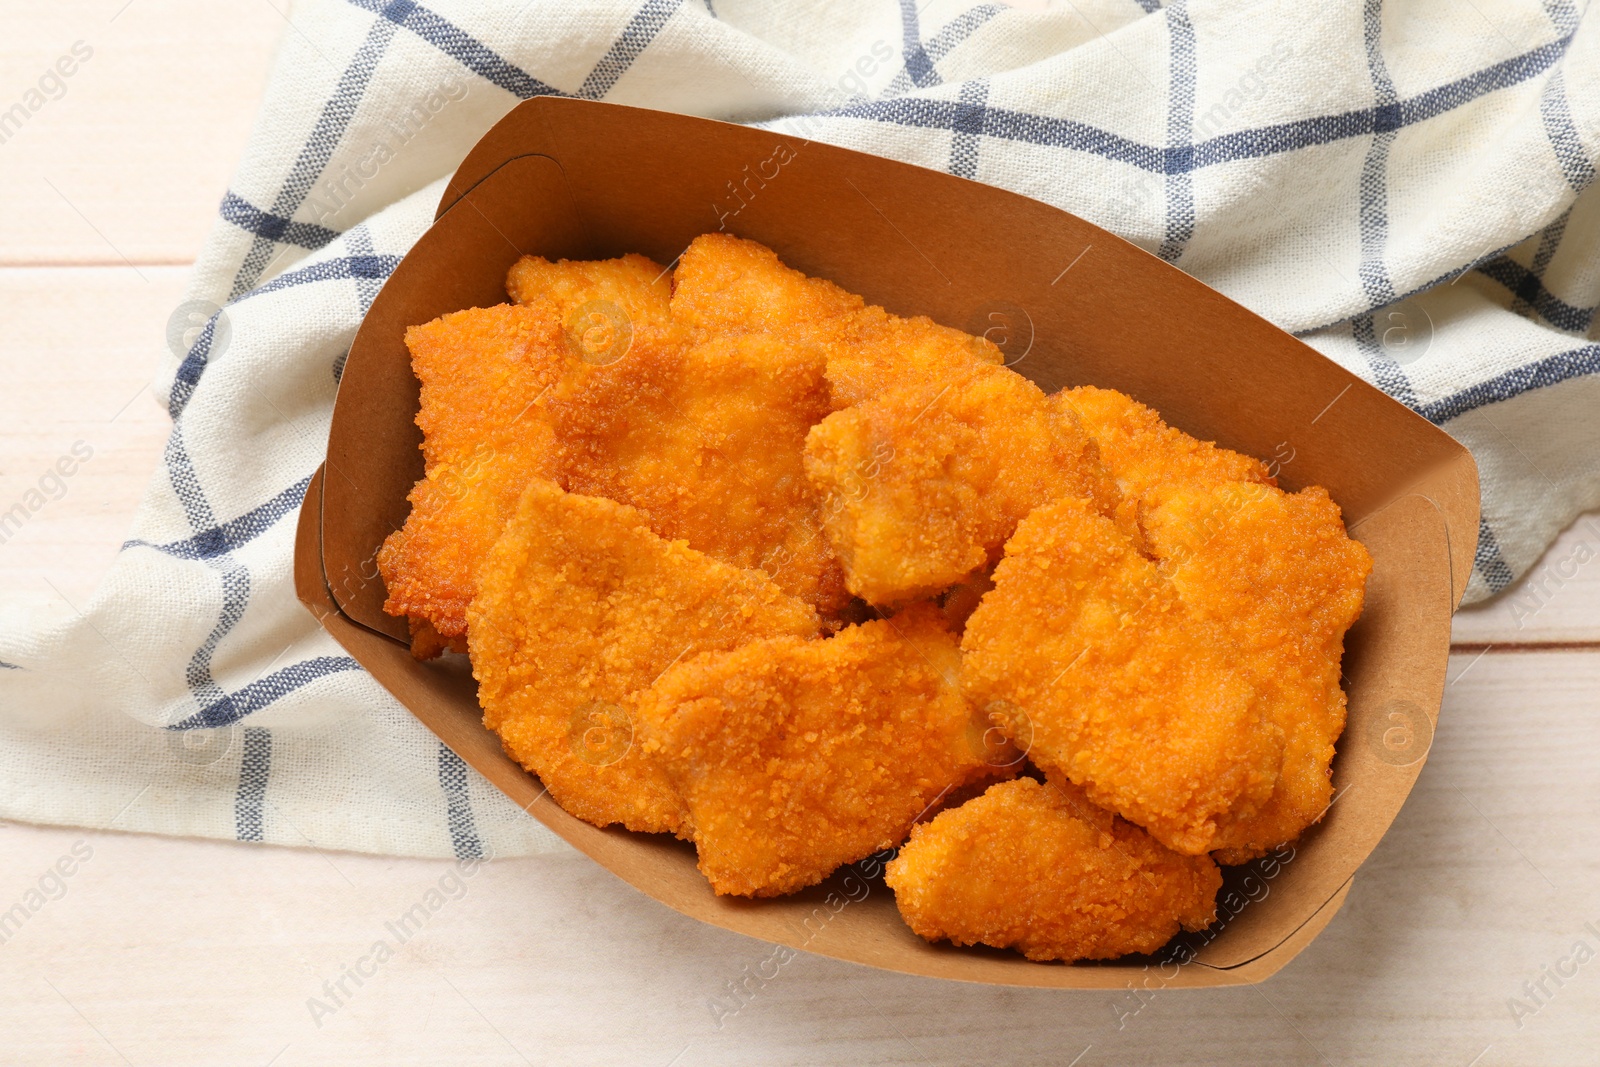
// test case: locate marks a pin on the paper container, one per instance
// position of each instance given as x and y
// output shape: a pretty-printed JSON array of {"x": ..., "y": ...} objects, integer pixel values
[{"x": 1075, "y": 304}]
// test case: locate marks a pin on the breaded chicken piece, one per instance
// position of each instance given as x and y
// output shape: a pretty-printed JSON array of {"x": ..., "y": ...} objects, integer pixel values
[
  {"x": 485, "y": 436},
  {"x": 1148, "y": 458},
  {"x": 724, "y": 284},
  {"x": 707, "y": 442},
  {"x": 579, "y": 607},
  {"x": 1278, "y": 576},
  {"x": 458, "y": 511},
  {"x": 875, "y": 352},
  {"x": 638, "y": 287},
  {"x": 481, "y": 371},
  {"x": 1039, "y": 869},
  {"x": 1089, "y": 653},
  {"x": 796, "y": 757},
  {"x": 921, "y": 486}
]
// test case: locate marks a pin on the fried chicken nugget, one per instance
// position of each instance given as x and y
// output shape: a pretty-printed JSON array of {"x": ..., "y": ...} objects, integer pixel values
[
  {"x": 724, "y": 284},
  {"x": 579, "y": 607},
  {"x": 727, "y": 285},
  {"x": 922, "y": 485},
  {"x": 1142, "y": 452},
  {"x": 1040, "y": 869},
  {"x": 484, "y": 436},
  {"x": 1147, "y": 457},
  {"x": 637, "y": 287},
  {"x": 707, "y": 441},
  {"x": 1278, "y": 576},
  {"x": 796, "y": 757},
  {"x": 481, "y": 370},
  {"x": 1103, "y": 673}
]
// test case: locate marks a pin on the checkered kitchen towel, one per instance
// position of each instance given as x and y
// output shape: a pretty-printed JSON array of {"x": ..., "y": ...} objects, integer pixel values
[{"x": 1407, "y": 185}]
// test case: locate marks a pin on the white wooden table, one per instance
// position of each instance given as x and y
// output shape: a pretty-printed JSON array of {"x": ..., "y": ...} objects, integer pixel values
[{"x": 170, "y": 952}]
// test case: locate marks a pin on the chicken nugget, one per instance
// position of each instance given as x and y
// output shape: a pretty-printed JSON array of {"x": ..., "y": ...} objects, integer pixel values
[
  {"x": 629, "y": 294},
  {"x": 1102, "y": 672},
  {"x": 484, "y": 434},
  {"x": 1147, "y": 457},
  {"x": 481, "y": 371},
  {"x": 580, "y": 606},
  {"x": 707, "y": 442},
  {"x": 1040, "y": 869},
  {"x": 921, "y": 486},
  {"x": 795, "y": 757},
  {"x": 873, "y": 352},
  {"x": 1278, "y": 576},
  {"x": 726, "y": 285}
]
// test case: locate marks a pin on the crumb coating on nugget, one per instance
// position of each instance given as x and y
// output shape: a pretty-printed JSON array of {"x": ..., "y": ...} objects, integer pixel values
[
  {"x": 1040, "y": 869},
  {"x": 1104, "y": 675},
  {"x": 580, "y": 606},
  {"x": 921, "y": 486},
  {"x": 796, "y": 757},
  {"x": 724, "y": 285},
  {"x": 1282, "y": 582},
  {"x": 706, "y": 440},
  {"x": 480, "y": 372}
]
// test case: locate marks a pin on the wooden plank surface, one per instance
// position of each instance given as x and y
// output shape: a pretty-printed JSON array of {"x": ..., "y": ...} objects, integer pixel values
[
  {"x": 167, "y": 951},
  {"x": 129, "y": 158},
  {"x": 1488, "y": 877}
]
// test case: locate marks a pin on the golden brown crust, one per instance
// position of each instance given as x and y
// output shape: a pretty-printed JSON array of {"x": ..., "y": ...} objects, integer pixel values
[
  {"x": 1282, "y": 582},
  {"x": 481, "y": 371},
  {"x": 796, "y": 757},
  {"x": 1040, "y": 869},
  {"x": 580, "y": 606},
  {"x": 922, "y": 485},
  {"x": 1091, "y": 655},
  {"x": 707, "y": 441},
  {"x": 637, "y": 287}
]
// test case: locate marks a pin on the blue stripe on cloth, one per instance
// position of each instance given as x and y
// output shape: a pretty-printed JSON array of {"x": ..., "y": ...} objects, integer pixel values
[
  {"x": 1385, "y": 371},
  {"x": 966, "y": 142},
  {"x": 919, "y": 67},
  {"x": 1563, "y": 134},
  {"x": 1488, "y": 561},
  {"x": 945, "y": 41},
  {"x": 1563, "y": 15},
  {"x": 1374, "y": 186},
  {"x": 230, "y": 535},
  {"x": 255, "y": 768},
  {"x": 4, "y": 666},
  {"x": 1442, "y": 279},
  {"x": 1150, "y": 6},
  {"x": 1225, "y": 148},
  {"x": 1553, "y": 370},
  {"x": 459, "y": 46},
  {"x": 356, "y": 267},
  {"x": 1006, "y": 124},
  {"x": 1180, "y": 132},
  {"x": 232, "y": 707},
  {"x": 318, "y": 149},
  {"x": 633, "y": 40},
  {"x": 245, "y": 215},
  {"x": 458, "y": 805},
  {"x": 367, "y": 269},
  {"x": 1525, "y": 285}
]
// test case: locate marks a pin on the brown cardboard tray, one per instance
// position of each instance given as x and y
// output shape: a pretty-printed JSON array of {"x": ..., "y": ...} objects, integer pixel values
[{"x": 1073, "y": 304}]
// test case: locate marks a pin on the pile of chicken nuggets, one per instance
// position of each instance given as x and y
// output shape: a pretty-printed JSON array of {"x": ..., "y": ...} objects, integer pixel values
[{"x": 739, "y": 557}]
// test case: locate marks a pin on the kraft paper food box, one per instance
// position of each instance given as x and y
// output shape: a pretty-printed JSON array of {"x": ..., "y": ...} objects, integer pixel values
[{"x": 1071, "y": 304}]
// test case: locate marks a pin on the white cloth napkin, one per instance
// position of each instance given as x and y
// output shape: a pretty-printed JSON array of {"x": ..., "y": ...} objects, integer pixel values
[{"x": 1407, "y": 186}]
